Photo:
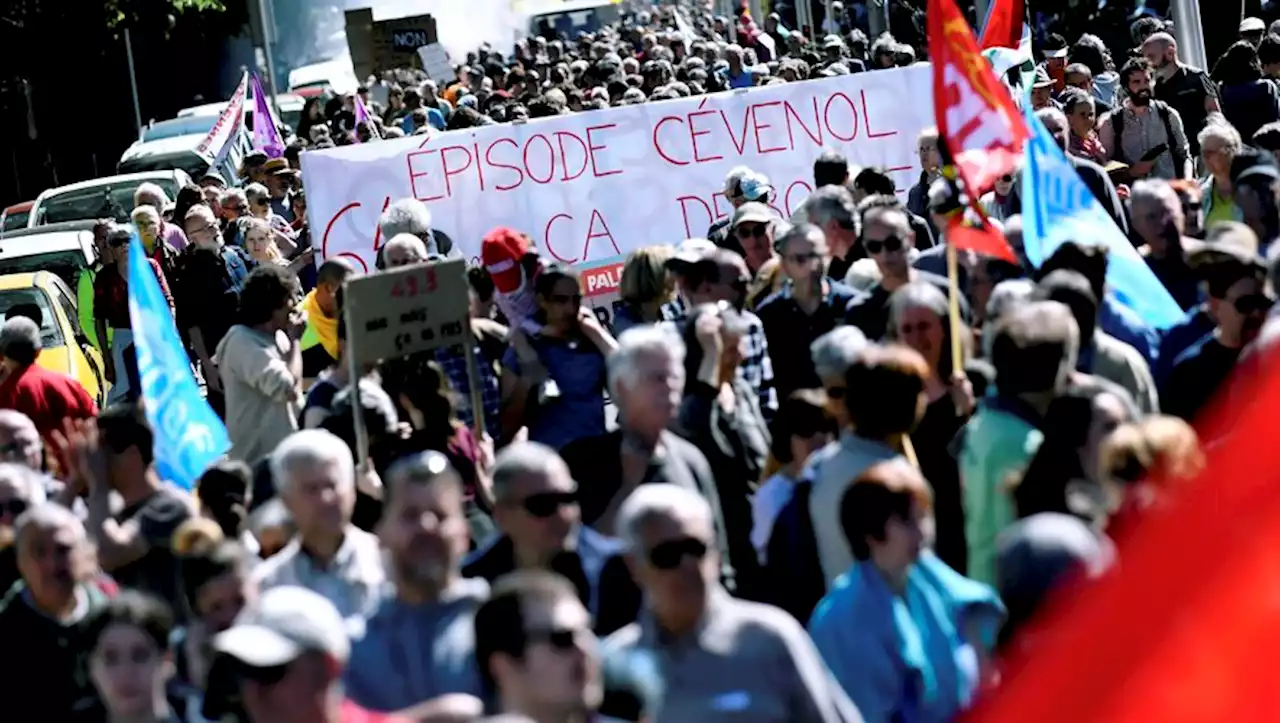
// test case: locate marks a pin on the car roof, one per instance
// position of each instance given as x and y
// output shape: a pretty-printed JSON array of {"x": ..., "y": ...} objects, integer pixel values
[
  {"x": 287, "y": 101},
  {"x": 112, "y": 180},
  {"x": 70, "y": 236},
  {"x": 20, "y": 207},
  {"x": 9, "y": 282},
  {"x": 164, "y": 146}
]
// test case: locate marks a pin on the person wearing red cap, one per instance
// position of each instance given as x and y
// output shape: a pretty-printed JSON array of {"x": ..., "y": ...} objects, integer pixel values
[{"x": 513, "y": 264}]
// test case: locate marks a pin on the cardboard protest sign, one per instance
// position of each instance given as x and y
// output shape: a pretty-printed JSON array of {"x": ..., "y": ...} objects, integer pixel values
[
  {"x": 591, "y": 187},
  {"x": 435, "y": 61},
  {"x": 416, "y": 308}
]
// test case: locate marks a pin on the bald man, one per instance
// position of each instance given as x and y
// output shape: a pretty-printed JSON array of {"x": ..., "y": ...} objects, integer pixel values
[{"x": 1186, "y": 89}]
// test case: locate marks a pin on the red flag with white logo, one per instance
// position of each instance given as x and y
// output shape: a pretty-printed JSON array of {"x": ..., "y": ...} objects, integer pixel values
[{"x": 977, "y": 119}]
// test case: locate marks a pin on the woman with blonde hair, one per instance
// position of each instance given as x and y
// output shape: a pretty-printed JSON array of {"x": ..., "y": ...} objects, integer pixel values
[
  {"x": 645, "y": 286},
  {"x": 260, "y": 241}
]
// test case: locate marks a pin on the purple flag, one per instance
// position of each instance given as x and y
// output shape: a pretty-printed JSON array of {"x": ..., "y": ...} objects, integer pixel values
[
  {"x": 265, "y": 136},
  {"x": 362, "y": 118}
]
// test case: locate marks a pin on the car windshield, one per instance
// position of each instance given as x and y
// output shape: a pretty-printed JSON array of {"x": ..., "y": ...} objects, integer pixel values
[
  {"x": 16, "y": 220},
  {"x": 32, "y": 303},
  {"x": 66, "y": 264},
  {"x": 109, "y": 200},
  {"x": 175, "y": 127},
  {"x": 188, "y": 161}
]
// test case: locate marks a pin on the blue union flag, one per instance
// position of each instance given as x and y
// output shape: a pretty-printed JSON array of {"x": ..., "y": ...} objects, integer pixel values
[{"x": 1057, "y": 207}]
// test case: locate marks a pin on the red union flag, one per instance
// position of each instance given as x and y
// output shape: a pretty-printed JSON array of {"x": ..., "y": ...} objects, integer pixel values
[{"x": 977, "y": 119}]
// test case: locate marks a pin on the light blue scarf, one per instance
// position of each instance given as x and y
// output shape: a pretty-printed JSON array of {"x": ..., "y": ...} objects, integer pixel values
[{"x": 902, "y": 658}]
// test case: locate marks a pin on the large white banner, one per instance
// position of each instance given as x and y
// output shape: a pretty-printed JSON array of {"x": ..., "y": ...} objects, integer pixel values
[{"x": 590, "y": 187}]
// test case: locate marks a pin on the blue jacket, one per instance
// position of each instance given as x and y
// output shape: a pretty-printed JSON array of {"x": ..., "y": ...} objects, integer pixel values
[{"x": 903, "y": 659}]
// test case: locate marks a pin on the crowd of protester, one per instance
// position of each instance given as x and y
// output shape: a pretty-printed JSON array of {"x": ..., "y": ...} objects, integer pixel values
[{"x": 801, "y": 508}]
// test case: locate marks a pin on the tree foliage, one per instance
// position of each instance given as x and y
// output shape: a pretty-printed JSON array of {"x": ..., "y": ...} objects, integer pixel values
[{"x": 128, "y": 11}]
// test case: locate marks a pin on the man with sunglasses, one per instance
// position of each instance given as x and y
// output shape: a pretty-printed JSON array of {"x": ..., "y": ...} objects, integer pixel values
[
  {"x": 886, "y": 237},
  {"x": 536, "y": 509},
  {"x": 719, "y": 658},
  {"x": 1238, "y": 304},
  {"x": 808, "y": 306},
  {"x": 753, "y": 227},
  {"x": 537, "y": 655}
]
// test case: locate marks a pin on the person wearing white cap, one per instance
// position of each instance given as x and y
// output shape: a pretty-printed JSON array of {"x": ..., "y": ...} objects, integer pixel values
[
  {"x": 282, "y": 662},
  {"x": 1252, "y": 30}
]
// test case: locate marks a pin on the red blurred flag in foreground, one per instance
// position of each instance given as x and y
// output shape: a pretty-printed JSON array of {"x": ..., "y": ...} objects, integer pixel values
[
  {"x": 1187, "y": 627},
  {"x": 1004, "y": 24},
  {"x": 977, "y": 119},
  {"x": 982, "y": 238}
]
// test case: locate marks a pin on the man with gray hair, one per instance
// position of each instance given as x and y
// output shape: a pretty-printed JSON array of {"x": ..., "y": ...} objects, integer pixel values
[
  {"x": 314, "y": 475},
  {"x": 832, "y": 209},
  {"x": 741, "y": 185},
  {"x": 404, "y": 249},
  {"x": 809, "y": 305},
  {"x": 646, "y": 381},
  {"x": 832, "y": 354},
  {"x": 49, "y": 398},
  {"x": 411, "y": 216},
  {"x": 48, "y": 617},
  {"x": 536, "y": 510},
  {"x": 1160, "y": 224},
  {"x": 760, "y": 663}
]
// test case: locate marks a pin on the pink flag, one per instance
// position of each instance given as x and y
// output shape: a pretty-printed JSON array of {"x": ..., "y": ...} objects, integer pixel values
[
  {"x": 362, "y": 118},
  {"x": 265, "y": 136}
]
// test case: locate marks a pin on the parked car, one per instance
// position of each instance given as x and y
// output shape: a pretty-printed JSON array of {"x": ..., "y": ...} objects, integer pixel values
[
  {"x": 65, "y": 249},
  {"x": 290, "y": 111},
  {"x": 110, "y": 197},
  {"x": 15, "y": 216},
  {"x": 66, "y": 348}
]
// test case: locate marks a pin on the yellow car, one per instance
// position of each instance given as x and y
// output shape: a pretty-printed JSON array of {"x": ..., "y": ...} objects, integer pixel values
[{"x": 66, "y": 348}]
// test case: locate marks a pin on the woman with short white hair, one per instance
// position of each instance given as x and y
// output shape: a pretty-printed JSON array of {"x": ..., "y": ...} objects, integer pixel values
[{"x": 1220, "y": 143}]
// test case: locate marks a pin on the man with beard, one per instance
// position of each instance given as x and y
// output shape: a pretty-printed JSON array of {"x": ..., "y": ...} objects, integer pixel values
[
  {"x": 1187, "y": 90},
  {"x": 1145, "y": 133},
  {"x": 1238, "y": 304},
  {"x": 418, "y": 644}
]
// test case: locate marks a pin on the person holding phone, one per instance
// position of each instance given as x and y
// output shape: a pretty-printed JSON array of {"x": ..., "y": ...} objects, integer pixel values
[{"x": 553, "y": 379}]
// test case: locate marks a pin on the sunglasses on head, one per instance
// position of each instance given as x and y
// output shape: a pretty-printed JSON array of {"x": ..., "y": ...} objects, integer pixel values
[
  {"x": 668, "y": 555},
  {"x": 1252, "y": 303},
  {"x": 546, "y": 504},
  {"x": 893, "y": 244},
  {"x": 562, "y": 639},
  {"x": 14, "y": 508}
]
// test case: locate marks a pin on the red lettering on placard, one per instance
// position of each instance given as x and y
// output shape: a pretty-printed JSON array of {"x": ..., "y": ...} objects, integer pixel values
[
  {"x": 866, "y": 114},
  {"x": 592, "y": 148},
  {"x": 755, "y": 121},
  {"x": 694, "y": 133},
  {"x": 786, "y": 197},
  {"x": 551, "y": 156},
  {"x": 449, "y": 172},
  {"x": 488, "y": 158},
  {"x": 739, "y": 143},
  {"x": 592, "y": 233},
  {"x": 815, "y": 133},
  {"x": 564, "y": 154},
  {"x": 715, "y": 204},
  {"x": 479, "y": 165},
  {"x": 657, "y": 145},
  {"x": 684, "y": 213},
  {"x": 826, "y": 116},
  {"x": 546, "y": 235},
  {"x": 377, "y": 231},
  {"x": 414, "y": 174}
]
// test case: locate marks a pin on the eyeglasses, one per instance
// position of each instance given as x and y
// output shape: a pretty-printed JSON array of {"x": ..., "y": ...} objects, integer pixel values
[
  {"x": 238, "y": 208},
  {"x": 546, "y": 504},
  {"x": 746, "y": 231},
  {"x": 196, "y": 231},
  {"x": 562, "y": 639},
  {"x": 1006, "y": 178},
  {"x": 119, "y": 242},
  {"x": 1252, "y": 303},
  {"x": 893, "y": 244},
  {"x": 803, "y": 258},
  {"x": 668, "y": 555},
  {"x": 14, "y": 508}
]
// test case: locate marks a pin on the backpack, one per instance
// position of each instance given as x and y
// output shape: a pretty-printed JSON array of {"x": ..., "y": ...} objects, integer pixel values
[{"x": 1164, "y": 111}]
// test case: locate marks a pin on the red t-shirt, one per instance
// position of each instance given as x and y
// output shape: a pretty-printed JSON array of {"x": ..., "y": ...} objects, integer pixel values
[{"x": 46, "y": 397}]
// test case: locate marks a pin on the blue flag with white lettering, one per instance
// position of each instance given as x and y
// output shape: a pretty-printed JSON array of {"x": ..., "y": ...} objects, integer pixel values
[
  {"x": 188, "y": 435},
  {"x": 1057, "y": 207}
]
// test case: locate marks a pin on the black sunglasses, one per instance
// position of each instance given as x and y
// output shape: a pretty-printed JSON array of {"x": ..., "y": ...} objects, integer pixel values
[
  {"x": 1252, "y": 303},
  {"x": 893, "y": 244},
  {"x": 668, "y": 555},
  {"x": 757, "y": 230},
  {"x": 118, "y": 242},
  {"x": 546, "y": 504},
  {"x": 562, "y": 639},
  {"x": 14, "y": 508}
]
